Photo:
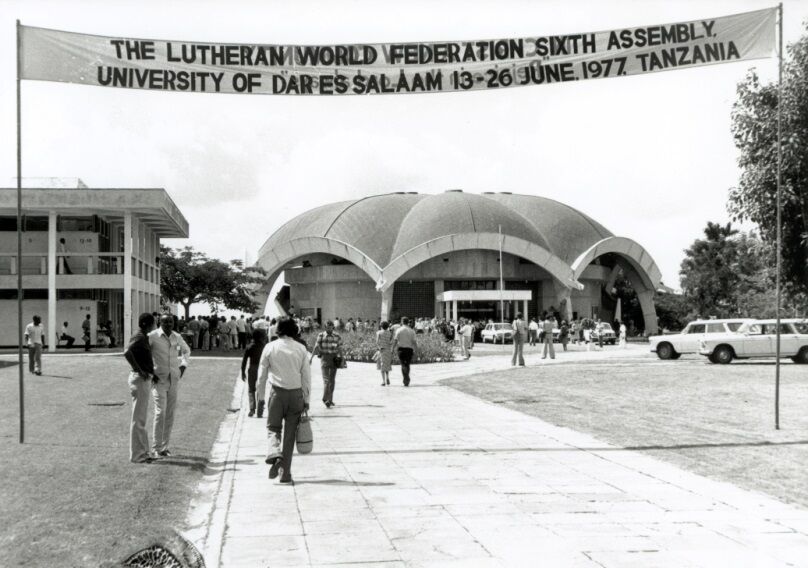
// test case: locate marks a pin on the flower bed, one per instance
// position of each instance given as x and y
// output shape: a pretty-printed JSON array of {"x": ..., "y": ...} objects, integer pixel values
[{"x": 360, "y": 346}]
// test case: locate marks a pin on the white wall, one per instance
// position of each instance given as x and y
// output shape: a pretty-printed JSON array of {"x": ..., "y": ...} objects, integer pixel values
[{"x": 72, "y": 311}]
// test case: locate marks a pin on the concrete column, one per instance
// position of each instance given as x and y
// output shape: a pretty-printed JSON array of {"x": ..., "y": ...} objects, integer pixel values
[
  {"x": 127, "y": 277},
  {"x": 454, "y": 310},
  {"x": 387, "y": 303},
  {"x": 646, "y": 298},
  {"x": 438, "y": 291},
  {"x": 52, "y": 326},
  {"x": 447, "y": 315},
  {"x": 524, "y": 310},
  {"x": 563, "y": 299}
]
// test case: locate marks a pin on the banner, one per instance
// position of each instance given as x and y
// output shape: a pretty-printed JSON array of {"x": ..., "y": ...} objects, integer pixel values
[{"x": 370, "y": 69}]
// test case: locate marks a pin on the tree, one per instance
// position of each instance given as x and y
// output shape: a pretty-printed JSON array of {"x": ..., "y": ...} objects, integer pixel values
[
  {"x": 754, "y": 126},
  {"x": 708, "y": 273},
  {"x": 188, "y": 277}
]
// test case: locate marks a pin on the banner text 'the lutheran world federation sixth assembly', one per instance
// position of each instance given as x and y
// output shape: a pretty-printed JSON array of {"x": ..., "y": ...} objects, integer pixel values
[{"x": 370, "y": 69}]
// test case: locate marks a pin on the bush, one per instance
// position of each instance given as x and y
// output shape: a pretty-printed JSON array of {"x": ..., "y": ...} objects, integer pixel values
[{"x": 360, "y": 346}]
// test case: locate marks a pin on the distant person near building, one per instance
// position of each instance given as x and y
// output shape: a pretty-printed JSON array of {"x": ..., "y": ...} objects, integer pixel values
[
  {"x": 547, "y": 331},
  {"x": 34, "y": 339},
  {"x": 194, "y": 327},
  {"x": 62, "y": 255},
  {"x": 623, "y": 332},
  {"x": 404, "y": 342},
  {"x": 66, "y": 337},
  {"x": 533, "y": 329},
  {"x": 241, "y": 332},
  {"x": 328, "y": 347},
  {"x": 384, "y": 341},
  {"x": 138, "y": 355},
  {"x": 519, "y": 336},
  {"x": 85, "y": 332},
  {"x": 170, "y": 354},
  {"x": 286, "y": 364}
]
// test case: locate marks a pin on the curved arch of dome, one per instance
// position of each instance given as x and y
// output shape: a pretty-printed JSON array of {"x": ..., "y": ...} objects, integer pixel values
[
  {"x": 276, "y": 259},
  {"x": 486, "y": 241},
  {"x": 631, "y": 250}
]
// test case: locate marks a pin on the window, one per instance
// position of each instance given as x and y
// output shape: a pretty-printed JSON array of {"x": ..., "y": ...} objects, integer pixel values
[
  {"x": 697, "y": 328},
  {"x": 8, "y": 223},
  {"x": 734, "y": 326},
  {"x": 75, "y": 223},
  {"x": 801, "y": 327},
  {"x": 715, "y": 328},
  {"x": 31, "y": 223}
]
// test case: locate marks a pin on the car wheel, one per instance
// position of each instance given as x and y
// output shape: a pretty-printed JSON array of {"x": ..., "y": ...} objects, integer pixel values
[
  {"x": 802, "y": 357},
  {"x": 665, "y": 351},
  {"x": 676, "y": 356},
  {"x": 723, "y": 354}
]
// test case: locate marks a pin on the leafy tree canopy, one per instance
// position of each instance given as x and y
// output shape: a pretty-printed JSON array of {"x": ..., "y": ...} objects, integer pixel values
[
  {"x": 754, "y": 126},
  {"x": 188, "y": 277}
]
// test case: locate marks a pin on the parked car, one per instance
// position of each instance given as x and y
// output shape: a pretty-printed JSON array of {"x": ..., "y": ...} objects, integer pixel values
[
  {"x": 758, "y": 338},
  {"x": 497, "y": 333},
  {"x": 604, "y": 329},
  {"x": 674, "y": 345}
]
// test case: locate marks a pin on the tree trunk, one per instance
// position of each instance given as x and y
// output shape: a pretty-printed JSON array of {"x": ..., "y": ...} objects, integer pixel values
[{"x": 187, "y": 310}]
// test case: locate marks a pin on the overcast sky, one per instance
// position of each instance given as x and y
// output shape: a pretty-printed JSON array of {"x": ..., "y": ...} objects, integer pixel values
[{"x": 650, "y": 157}]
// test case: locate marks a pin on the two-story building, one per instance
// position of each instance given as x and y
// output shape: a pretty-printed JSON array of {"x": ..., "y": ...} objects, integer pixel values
[{"x": 85, "y": 251}]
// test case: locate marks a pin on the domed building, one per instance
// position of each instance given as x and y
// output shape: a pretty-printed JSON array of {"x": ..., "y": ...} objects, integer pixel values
[{"x": 426, "y": 255}]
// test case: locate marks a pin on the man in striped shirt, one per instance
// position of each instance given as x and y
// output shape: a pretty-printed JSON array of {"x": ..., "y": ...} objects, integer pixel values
[{"x": 328, "y": 347}]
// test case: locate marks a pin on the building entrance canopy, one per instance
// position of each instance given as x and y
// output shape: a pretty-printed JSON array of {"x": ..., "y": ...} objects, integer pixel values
[{"x": 487, "y": 303}]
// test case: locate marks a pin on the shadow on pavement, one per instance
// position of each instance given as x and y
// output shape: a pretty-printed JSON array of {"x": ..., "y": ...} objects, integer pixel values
[{"x": 345, "y": 482}]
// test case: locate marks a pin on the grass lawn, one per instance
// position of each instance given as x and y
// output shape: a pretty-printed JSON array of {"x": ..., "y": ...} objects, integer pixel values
[
  {"x": 714, "y": 420},
  {"x": 69, "y": 495}
]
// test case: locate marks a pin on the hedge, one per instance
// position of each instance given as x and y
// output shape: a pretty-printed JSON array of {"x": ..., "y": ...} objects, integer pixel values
[{"x": 360, "y": 346}]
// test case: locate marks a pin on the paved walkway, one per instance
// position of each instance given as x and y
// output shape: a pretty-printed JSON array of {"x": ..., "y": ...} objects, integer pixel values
[{"x": 428, "y": 476}]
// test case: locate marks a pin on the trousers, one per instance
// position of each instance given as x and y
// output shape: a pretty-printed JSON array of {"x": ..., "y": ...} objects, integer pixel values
[
  {"x": 138, "y": 438},
  {"x": 285, "y": 408},
  {"x": 548, "y": 345},
  {"x": 405, "y": 356},
  {"x": 518, "y": 348},
  {"x": 164, "y": 394},
  {"x": 35, "y": 358},
  {"x": 329, "y": 371},
  {"x": 252, "y": 379}
]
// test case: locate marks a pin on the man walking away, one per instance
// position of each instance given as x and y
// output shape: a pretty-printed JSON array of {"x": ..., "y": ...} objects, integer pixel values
[
  {"x": 519, "y": 334},
  {"x": 241, "y": 330},
  {"x": 170, "y": 354},
  {"x": 404, "y": 342},
  {"x": 138, "y": 355},
  {"x": 253, "y": 355},
  {"x": 34, "y": 337},
  {"x": 547, "y": 328},
  {"x": 328, "y": 347},
  {"x": 533, "y": 328},
  {"x": 285, "y": 362}
]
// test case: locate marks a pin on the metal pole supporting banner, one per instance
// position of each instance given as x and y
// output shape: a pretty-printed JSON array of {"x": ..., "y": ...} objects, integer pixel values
[
  {"x": 19, "y": 244},
  {"x": 779, "y": 211},
  {"x": 501, "y": 283}
]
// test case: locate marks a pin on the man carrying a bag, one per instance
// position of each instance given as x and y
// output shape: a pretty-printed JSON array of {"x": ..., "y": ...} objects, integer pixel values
[{"x": 286, "y": 363}]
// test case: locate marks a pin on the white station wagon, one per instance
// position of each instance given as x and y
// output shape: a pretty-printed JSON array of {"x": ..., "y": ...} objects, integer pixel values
[
  {"x": 687, "y": 341},
  {"x": 758, "y": 338}
]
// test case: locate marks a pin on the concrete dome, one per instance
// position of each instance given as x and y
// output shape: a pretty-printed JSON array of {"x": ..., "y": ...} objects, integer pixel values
[{"x": 383, "y": 227}]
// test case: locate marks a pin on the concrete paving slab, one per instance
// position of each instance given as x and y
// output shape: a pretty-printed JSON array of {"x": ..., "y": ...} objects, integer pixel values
[{"x": 428, "y": 476}]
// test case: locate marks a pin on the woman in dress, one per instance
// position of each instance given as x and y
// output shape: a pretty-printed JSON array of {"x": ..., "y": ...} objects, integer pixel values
[{"x": 384, "y": 341}]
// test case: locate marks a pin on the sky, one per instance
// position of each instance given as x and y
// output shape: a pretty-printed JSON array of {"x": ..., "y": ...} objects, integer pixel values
[{"x": 650, "y": 157}]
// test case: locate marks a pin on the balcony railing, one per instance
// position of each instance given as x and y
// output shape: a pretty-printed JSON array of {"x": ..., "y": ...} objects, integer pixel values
[{"x": 71, "y": 263}]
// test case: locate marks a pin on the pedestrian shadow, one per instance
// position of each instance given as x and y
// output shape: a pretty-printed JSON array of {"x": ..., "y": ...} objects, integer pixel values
[
  {"x": 56, "y": 377},
  {"x": 318, "y": 416},
  {"x": 344, "y": 483},
  {"x": 361, "y": 406}
]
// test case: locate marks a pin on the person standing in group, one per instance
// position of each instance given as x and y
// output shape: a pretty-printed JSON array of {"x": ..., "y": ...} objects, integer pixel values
[
  {"x": 623, "y": 332},
  {"x": 464, "y": 334},
  {"x": 547, "y": 328},
  {"x": 138, "y": 355},
  {"x": 404, "y": 342},
  {"x": 170, "y": 354},
  {"x": 328, "y": 346},
  {"x": 286, "y": 364},
  {"x": 232, "y": 329},
  {"x": 65, "y": 336},
  {"x": 194, "y": 328},
  {"x": 34, "y": 339},
  {"x": 253, "y": 355},
  {"x": 599, "y": 331},
  {"x": 241, "y": 332},
  {"x": 533, "y": 330},
  {"x": 384, "y": 341},
  {"x": 564, "y": 334},
  {"x": 85, "y": 332},
  {"x": 519, "y": 335}
]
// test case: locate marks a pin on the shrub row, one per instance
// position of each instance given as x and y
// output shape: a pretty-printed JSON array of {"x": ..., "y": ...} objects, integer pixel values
[{"x": 360, "y": 346}]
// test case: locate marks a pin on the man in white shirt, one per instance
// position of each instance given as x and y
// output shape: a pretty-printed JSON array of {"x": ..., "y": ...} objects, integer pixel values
[
  {"x": 466, "y": 334},
  {"x": 404, "y": 341},
  {"x": 170, "y": 354},
  {"x": 533, "y": 328},
  {"x": 519, "y": 333},
  {"x": 34, "y": 337},
  {"x": 285, "y": 363},
  {"x": 241, "y": 330}
]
